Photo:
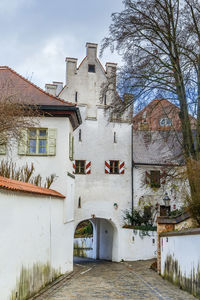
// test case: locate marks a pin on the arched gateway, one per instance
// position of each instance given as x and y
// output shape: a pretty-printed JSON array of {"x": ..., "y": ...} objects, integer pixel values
[{"x": 103, "y": 243}]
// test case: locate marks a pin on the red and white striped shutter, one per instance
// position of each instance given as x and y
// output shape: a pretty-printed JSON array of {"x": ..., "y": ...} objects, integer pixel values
[
  {"x": 74, "y": 167},
  {"x": 107, "y": 166},
  {"x": 121, "y": 167},
  {"x": 148, "y": 178},
  {"x": 88, "y": 167},
  {"x": 163, "y": 177}
]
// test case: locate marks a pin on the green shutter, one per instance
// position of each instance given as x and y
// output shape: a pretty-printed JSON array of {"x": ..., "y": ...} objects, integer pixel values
[
  {"x": 70, "y": 146},
  {"x": 2, "y": 149},
  {"x": 51, "y": 141},
  {"x": 22, "y": 144}
]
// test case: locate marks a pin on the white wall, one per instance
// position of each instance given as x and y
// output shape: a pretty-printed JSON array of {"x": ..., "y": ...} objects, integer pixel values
[
  {"x": 184, "y": 249},
  {"x": 60, "y": 164},
  {"x": 32, "y": 234},
  {"x": 137, "y": 244},
  {"x": 86, "y": 246},
  {"x": 144, "y": 194}
]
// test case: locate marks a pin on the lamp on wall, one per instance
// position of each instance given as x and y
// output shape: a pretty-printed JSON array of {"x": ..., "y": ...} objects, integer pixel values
[{"x": 167, "y": 200}]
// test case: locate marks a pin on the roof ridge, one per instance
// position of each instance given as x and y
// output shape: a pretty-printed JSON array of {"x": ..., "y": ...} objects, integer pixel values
[{"x": 34, "y": 85}]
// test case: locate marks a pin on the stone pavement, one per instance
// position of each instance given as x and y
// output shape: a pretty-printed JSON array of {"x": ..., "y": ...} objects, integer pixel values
[{"x": 108, "y": 280}]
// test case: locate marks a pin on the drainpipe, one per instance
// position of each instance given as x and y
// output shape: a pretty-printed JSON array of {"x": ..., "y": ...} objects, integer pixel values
[{"x": 132, "y": 198}]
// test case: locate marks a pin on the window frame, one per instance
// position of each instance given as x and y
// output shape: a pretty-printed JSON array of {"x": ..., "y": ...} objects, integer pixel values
[
  {"x": 80, "y": 172},
  {"x": 155, "y": 182},
  {"x": 113, "y": 168},
  {"x": 37, "y": 138},
  {"x": 91, "y": 67}
]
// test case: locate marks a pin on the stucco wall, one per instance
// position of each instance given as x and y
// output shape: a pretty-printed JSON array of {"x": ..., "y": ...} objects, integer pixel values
[
  {"x": 35, "y": 243},
  {"x": 145, "y": 195},
  {"x": 180, "y": 261},
  {"x": 137, "y": 244},
  {"x": 60, "y": 164}
]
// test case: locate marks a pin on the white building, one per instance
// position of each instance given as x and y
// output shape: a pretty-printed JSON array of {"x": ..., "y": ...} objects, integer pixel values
[
  {"x": 102, "y": 154},
  {"x": 36, "y": 224}
]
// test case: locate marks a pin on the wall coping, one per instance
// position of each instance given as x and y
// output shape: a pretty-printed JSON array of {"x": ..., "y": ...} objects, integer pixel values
[
  {"x": 173, "y": 220},
  {"x": 190, "y": 231}
]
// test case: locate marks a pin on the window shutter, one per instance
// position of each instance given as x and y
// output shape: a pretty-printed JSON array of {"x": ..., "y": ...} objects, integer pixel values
[
  {"x": 107, "y": 166},
  {"x": 70, "y": 146},
  {"x": 163, "y": 177},
  {"x": 74, "y": 167},
  {"x": 51, "y": 141},
  {"x": 2, "y": 149},
  {"x": 88, "y": 167},
  {"x": 148, "y": 178},
  {"x": 121, "y": 167},
  {"x": 22, "y": 144}
]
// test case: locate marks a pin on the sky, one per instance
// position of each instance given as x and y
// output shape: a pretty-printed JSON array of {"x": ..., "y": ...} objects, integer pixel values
[{"x": 37, "y": 35}]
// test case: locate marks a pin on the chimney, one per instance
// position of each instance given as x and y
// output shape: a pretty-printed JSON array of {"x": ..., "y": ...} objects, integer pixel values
[
  {"x": 59, "y": 86},
  {"x": 71, "y": 68},
  {"x": 91, "y": 51},
  {"x": 111, "y": 69},
  {"x": 51, "y": 88}
]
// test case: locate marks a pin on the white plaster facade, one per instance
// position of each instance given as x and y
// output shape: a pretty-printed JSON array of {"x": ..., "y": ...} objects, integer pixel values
[
  {"x": 33, "y": 235},
  {"x": 58, "y": 164},
  {"x": 97, "y": 192},
  {"x": 144, "y": 195}
]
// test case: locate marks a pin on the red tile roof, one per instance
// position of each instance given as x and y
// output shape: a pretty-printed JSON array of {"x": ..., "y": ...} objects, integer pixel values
[
  {"x": 26, "y": 91},
  {"x": 19, "y": 186}
]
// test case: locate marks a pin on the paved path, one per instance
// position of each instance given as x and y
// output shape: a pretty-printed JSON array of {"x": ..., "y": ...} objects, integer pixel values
[{"x": 107, "y": 280}]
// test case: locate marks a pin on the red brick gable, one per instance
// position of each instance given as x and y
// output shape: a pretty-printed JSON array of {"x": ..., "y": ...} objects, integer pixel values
[{"x": 149, "y": 117}]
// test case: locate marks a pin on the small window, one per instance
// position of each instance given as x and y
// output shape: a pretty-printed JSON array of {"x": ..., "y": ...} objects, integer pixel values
[
  {"x": 115, "y": 137},
  {"x": 79, "y": 202},
  {"x": 79, "y": 135},
  {"x": 80, "y": 167},
  {"x": 91, "y": 68},
  {"x": 165, "y": 122},
  {"x": 104, "y": 100},
  {"x": 37, "y": 141},
  {"x": 155, "y": 179},
  {"x": 114, "y": 166},
  {"x": 76, "y": 96},
  {"x": 164, "y": 210}
]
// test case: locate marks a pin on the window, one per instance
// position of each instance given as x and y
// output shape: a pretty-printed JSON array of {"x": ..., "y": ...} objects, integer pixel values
[
  {"x": 115, "y": 137},
  {"x": 165, "y": 122},
  {"x": 76, "y": 96},
  {"x": 37, "y": 141},
  {"x": 79, "y": 202},
  {"x": 114, "y": 166},
  {"x": 155, "y": 179},
  {"x": 80, "y": 167},
  {"x": 164, "y": 210},
  {"x": 91, "y": 68},
  {"x": 79, "y": 136},
  {"x": 104, "y": 100}
]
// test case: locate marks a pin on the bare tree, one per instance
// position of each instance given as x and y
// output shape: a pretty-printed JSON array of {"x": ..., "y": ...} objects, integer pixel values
[
  {"x": 160, "y": 44},
  {"x": 15, "y": 114}
]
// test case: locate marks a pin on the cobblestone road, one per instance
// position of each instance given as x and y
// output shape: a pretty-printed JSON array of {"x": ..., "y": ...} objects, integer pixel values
[{"x": 107, "y": 280}]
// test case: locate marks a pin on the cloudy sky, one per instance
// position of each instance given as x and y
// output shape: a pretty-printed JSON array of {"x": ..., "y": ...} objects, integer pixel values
[{"x": 37, "y": 35}]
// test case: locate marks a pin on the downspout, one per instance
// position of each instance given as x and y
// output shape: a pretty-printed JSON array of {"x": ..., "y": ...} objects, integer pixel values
[{"x": 132, "y": 190}]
